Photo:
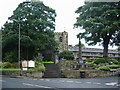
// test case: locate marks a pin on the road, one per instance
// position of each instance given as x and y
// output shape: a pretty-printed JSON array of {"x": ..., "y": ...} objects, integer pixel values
[{"x": 105, "y": 82}]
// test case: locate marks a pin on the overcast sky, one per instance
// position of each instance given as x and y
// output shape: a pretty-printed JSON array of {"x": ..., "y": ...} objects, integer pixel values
[{"x": 65, "y": 19}]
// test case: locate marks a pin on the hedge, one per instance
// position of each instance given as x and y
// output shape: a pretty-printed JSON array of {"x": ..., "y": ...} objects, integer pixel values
[{"x": 108, "y": 67}]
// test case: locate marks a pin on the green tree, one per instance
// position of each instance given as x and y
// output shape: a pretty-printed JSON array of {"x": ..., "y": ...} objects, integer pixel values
[
  {"x": 117, "y": 39},
  {"x": 118, "y": 48},
  {"x": 70, "y": 45},
  {"x": 37, "y": 29},
  {"x": 68, "y": 55},
  {"x": 101, "y": 21},
  {"x": 77, "y": 45}
]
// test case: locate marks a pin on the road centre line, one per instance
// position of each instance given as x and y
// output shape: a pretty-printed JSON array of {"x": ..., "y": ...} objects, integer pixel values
[{"x": 36, "y": 85}]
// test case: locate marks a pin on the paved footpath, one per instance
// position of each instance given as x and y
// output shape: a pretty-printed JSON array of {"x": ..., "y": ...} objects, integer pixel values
[{"x": 56, "y": 83}]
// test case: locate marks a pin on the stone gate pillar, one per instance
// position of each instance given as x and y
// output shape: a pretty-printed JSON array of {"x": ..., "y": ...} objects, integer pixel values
[{"x": 56, "y": 59}]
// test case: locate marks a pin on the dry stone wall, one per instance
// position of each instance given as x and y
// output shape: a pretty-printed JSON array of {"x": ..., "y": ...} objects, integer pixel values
[{"x": 34, "y": 74}]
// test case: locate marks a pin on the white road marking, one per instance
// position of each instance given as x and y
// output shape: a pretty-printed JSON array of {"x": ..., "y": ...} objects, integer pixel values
[
  {"x": 118, "y": 85},
  {"x": 78, "y": 82},
  {"x": 88, "y": 82},
  {"x": 34, "y": 79},
  {"x": 69, "y": 81},
  {"x": 42, "y": 86},
  {"x": 41, "y": 79},
  {"x": 111, "y": 83},
  {"x": 2, "y": 81},
  {"x": 28, "y": 84},
  {"x": 96, "y": 83},
  {"x": 36, "y": 85},
  {"x": 47, "y": 79}
]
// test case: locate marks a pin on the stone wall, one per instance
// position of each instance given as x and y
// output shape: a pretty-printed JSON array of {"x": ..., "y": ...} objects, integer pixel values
[
  {"x": 69, "y": 69},
  {"x": 67, "y": 64},
  {"x": 87, "y": 73},
  {"x": 34, "y": 74}
]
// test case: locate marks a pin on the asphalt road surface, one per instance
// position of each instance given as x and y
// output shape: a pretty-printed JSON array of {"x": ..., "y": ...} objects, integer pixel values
[{"x": 56, "y": 83}]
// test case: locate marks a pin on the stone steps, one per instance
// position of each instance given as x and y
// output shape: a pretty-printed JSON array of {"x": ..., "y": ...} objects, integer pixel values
[{"x": 52, "y": 71}]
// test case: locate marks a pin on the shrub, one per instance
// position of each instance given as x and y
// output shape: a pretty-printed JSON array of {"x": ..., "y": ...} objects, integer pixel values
[
  {"x": 100, "y": 60},
  {"x": 0, "y": 64},
  {"x": 40, "y": 68},
  {"x": 38, "y": 63},
  {"x": 89, "y": 60},
  {"x": 6, "y": 65},
  {"x": 108, "y": 67},
  {"x": 68, "y": 55},
  {"x": 89, "y": 63},
  {"x": 15, "y": 65},
  {"x": 105, "y": 68},
  {"x": 10, "y": 57},
  {"x": 114, "y": 66},
  {"x": 38, "y": 59},
  {"x": 113, "y": 61}
]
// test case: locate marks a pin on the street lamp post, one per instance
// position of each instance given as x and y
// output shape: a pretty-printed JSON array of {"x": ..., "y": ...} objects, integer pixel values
[{"x": 18, "y": 44}]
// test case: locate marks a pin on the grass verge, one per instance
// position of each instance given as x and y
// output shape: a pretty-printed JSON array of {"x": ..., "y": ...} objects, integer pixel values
[
  {"x": 48, "y": 62},
  {"x": 9, "y": 69}
]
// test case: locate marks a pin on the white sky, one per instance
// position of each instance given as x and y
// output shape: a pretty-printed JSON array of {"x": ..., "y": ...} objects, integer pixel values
[{"x": 65, "y": 19}]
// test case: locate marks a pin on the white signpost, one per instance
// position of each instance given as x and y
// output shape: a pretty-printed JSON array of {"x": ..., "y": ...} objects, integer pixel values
[{"x": 31, "y": 63}]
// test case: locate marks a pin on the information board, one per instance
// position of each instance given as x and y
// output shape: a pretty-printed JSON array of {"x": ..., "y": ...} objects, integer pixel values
[
  {"x": 24, "y": 69},
  {"x": 31, "y": 63},
  {"x": 24, "y": 64}
]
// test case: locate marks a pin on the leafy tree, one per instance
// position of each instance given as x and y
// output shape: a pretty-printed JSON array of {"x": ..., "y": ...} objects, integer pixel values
[
  {"x": 117, "y": 39},
  {"x": 118, "y": 48},
  {"x": 70, "y": 45},
  {"x": 101, "y": 21},
  {"x": 37, "y": 29},
  {"x": 82, "y": 45},
  {"x": 68, "y": 55}
]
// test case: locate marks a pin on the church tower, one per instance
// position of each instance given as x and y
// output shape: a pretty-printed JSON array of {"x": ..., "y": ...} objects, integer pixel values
[{"x": 62, "y": 38}]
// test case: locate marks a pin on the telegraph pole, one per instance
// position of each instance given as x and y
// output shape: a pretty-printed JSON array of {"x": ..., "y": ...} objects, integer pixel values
[{"x": 18, "y": 43}]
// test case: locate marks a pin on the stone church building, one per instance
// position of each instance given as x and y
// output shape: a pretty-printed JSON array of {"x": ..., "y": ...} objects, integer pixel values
[{"x": 62, "y": 39}]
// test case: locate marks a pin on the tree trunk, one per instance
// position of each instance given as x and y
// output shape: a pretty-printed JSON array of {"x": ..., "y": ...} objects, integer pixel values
[{"x": 105, "y": 45}]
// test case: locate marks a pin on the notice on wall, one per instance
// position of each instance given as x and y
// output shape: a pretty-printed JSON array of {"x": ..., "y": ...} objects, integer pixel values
[
  {"x": 24, "y": 64},
  {"x": 24, "y": 69},
  {"x": 31, "y": 63}
]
